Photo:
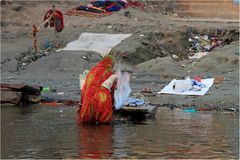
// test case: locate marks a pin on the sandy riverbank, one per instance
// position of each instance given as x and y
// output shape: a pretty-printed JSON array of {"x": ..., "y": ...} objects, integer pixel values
[{"x": 149, "y": 57}]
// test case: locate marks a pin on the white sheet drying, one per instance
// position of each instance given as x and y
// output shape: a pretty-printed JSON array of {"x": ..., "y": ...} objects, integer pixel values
[{"x": 98, "y": 42}]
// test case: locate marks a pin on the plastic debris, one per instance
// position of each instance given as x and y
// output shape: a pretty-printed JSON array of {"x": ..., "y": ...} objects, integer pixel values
[
  {"x": 190, "y": 110},
  {"x": 60, "y": 93},
  {"x": 198, "y": 55},
  {"x": 84, "y": 57},
  {"x": 232, "y": 109},
  {"x": 183, "y": 65},
  {"x": 175, "y": 56},
  {"x": 48, "y": 45},
  {"x": 201, "y": 45},
  {"x": 46, "y": 89}
]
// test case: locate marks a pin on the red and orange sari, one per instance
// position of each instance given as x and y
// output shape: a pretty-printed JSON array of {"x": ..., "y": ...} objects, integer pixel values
[{"x": 96, "y": 100}]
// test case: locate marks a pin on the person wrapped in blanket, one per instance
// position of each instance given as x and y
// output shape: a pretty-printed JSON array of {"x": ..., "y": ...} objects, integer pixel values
[{"x": 96, "y": 105}]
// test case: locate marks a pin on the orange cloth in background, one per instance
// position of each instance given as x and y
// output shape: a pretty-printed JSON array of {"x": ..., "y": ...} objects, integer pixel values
[{"x": 96, "y": 100}]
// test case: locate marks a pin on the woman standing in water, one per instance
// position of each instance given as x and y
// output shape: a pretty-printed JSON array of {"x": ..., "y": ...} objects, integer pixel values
[{"x": 96, "y": 96}]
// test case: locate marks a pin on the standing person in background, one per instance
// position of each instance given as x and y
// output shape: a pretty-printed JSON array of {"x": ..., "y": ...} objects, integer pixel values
[{"x": 96, "y": 98}]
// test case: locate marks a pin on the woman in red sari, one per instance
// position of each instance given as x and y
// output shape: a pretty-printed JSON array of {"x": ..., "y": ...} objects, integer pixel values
[{"x": 96, "y": 97}]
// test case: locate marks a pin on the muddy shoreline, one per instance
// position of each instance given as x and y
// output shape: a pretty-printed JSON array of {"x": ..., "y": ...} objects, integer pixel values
[{"x": 148, "y": 54}]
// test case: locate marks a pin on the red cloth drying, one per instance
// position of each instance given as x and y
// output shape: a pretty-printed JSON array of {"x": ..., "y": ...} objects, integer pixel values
[{"x": 56, "y": 21}]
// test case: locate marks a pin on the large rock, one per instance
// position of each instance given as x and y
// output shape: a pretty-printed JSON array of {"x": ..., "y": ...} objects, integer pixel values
[
  {"x": 20, "y": 93},
  {"x": 10, "y": 97}
]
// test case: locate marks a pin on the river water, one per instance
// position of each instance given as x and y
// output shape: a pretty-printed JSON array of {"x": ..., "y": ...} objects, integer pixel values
[{"x": 51, "y": 132}]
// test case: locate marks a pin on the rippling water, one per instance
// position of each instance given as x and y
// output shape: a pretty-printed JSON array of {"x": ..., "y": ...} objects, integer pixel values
[{"x": 50, "y": 132}]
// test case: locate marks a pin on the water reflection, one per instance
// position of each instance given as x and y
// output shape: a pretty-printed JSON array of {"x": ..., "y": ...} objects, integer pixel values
[
  {"x": 95, "y": 141},
  {"x": 49, "y": 132}
]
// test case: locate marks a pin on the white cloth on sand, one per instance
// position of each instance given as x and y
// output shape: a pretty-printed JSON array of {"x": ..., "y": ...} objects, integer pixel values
[
  {"x": 98, "y": 42},
  {"x": 169, "y": 88}
]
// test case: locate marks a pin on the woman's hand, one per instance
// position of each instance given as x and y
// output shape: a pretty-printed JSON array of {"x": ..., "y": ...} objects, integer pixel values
[{"x": 115, "y": 78}]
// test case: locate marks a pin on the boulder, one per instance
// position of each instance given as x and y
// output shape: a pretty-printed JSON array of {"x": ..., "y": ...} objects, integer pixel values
[{"x": 20, "y": 93}]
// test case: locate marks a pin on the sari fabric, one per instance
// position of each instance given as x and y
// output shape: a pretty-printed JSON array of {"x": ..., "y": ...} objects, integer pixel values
[
  {"x": 56, "y": 21},
  {"x": 96, "y": 101}
]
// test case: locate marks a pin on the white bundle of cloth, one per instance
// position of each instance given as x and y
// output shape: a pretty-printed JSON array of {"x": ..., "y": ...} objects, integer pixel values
[{"x": 123, "y": 90}]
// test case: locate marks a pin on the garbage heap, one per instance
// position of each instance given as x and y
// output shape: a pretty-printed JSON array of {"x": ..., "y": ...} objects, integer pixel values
[{"x": 203, "y": 43}]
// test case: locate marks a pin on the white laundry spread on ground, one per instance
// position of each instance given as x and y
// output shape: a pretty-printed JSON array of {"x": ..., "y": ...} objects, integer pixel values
[
  {"x": 98, "y": 42},
  {"x": 169, "y": 89}
]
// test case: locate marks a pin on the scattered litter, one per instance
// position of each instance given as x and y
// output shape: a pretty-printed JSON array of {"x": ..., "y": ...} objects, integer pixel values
[
  {"x": 188, "y": 87},
  {"x": 28, "y": 57},
  {"x": 203, "y": 109},
  {"x": 48, "y": 45},
  {"x": 226, "y": 79},
  {"x": 60, "y": 93},
  {"x": 46, "y": 89},
  {"x": 232, "y": 109},
  {"x": 201, "y": 45},
  {"x": 198, "y": 55},
  {"x": 141, "y": 35},
  {"x": 109, "y": 27},
  {"x": 135, "y": 19},
  {"x": 183, "y": 65},
  {"x": 84, "y": 57},
  {"x": 190, "y": 110},
  {"x": 175, "y": 14},
  {"x": 175, "y": 56}
]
